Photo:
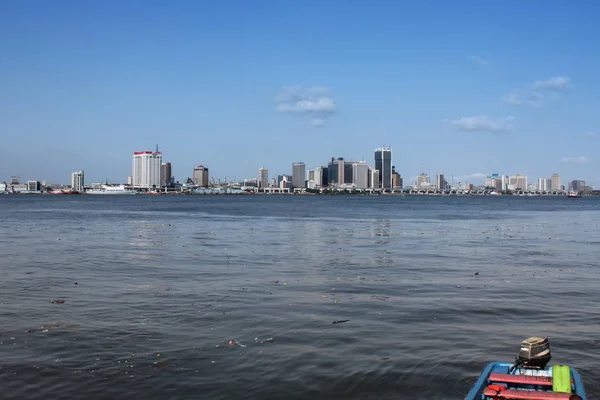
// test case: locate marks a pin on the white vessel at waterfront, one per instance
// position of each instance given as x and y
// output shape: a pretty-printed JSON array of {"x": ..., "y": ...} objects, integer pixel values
[{"x": 112, "y": 190}]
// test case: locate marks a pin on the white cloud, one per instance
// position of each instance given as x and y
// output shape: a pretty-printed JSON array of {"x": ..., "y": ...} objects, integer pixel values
[
  {"x": 554, "y": 83},
  {"x": 575, "y": 160},
  {"x": 314, "y": 102},
  {"x": 592, "y": 134},
  {"x": 513, "y": 98},
  {"x": 478, "y": 60},
  {"x": 482, "y": 123},
  {"x": 538, "y": 92}
]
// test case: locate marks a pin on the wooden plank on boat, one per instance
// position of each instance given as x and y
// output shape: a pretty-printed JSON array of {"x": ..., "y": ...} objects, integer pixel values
[
  {"x": 522, "y": 379},
  {"x": 510, "y": 394}
]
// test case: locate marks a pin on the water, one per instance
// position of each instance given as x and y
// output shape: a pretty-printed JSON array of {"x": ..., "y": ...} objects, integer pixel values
[{"x": 154, "y": 288}]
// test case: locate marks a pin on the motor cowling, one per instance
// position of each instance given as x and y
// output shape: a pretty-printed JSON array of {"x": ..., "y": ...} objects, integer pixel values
[{"x": 534, "y": 353}]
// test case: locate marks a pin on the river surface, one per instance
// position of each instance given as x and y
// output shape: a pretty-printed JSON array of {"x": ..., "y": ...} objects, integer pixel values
[{"x": 237, "y": 297}]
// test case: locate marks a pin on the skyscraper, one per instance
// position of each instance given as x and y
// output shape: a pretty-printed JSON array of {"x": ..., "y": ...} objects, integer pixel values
[
  {"x": 298, "y": 175},
  {"x": 263, "y": 177},
  {"x": 146, "y": 169},
  {"x": 166, "y": 177},
  {"x": 200, "y": 176},
  {"x": 375, "y": 179},
  {"x": 556, "y": 182},
  {"x": 319, "y": 176},
  {"x": 440, "y": 182},
  {"x": 77, "y": 181},
  {"x": 383, "y": 163},
  {"x": 360, "y": 175}
]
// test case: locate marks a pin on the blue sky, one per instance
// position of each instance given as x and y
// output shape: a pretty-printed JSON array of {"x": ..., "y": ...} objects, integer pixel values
[{"x": 465, "y": 88}]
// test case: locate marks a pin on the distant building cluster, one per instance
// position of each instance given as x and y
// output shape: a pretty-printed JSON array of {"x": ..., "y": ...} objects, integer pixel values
[
  {"x": 519, "y": 183},
  {"x": 337, "y": 174},
  {"x": 150, "y": 174}
]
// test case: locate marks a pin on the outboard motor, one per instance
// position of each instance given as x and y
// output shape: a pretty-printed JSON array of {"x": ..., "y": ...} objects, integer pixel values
[{"x": 534, "y": 353}]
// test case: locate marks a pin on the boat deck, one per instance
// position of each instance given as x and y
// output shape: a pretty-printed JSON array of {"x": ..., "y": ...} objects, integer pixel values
[{"x": 498, "y": 382}]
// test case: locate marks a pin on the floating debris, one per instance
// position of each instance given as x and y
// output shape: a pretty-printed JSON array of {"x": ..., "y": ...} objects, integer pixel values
[
  {"x": 233, "y": 342},
  {"x": 58, "y": 301},
  {"x": 341, "y": 321}
]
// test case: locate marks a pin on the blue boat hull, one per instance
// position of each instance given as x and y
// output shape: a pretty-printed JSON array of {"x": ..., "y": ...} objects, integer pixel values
[{"x": 476, "y": 393}]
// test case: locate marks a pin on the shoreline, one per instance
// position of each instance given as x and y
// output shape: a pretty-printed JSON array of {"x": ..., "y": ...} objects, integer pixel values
[{"x": 249, "y": 193}]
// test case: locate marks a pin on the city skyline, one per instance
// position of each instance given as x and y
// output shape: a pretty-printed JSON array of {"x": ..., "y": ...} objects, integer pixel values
[
  {"x": 149, "y": 170},
  {"x": 450, "y": 87}
]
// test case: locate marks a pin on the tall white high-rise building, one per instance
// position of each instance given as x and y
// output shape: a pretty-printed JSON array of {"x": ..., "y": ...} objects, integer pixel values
[
  {"x": 298, "y": 175},
  {"x": 383, "y": 163},
  {"x": 375, "y": 179},
  {"x": 318, "y": 176},
  {"x": 360, "y": 175},
  {"x": 544, "y": 184},
  {"x": 556, "y": 182},
  {"x": 200, "y": 176},
  {"x": 77, "y": 181},
  {"x": 146, "y": 169},
  {"x": 263, "y": 177}
]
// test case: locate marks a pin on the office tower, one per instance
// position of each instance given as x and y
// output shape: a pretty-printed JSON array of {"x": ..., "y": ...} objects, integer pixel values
[
  {"x": 423, "y": 179},
  {"x": 285, "y": 183},
  {"x": 440, "y": 182},
  {"x": 298, "y": 175},
  {"x": 348, "y": 168},
  {"x": 383, "y": 163},
  {"x": 556, "y": 182},
  {"x": 544, "y": 184},
  {"x": 15, "y": 180},
  {"x": 34, "y": 186},
  {"x": 77, "y": 181},
  {"x": 263, "y": 177},
  {"x": 325, "y": 177},
  {"x": 200, "y": 176},
  {"x": 340, "y": 173},
  {"x": 280, "y": 178},
  {"x": 375, "y": 179},
  {"x": 146, "y": 169},
  {"x": 319, "y": 176},
  {"x": 334, "y": 172},
  {"x": 311, "y": 175},
  {"x": 577, "y": 186},
  {"x": 166, "y": 174},
  {"x": 396, "y": 179},
  {"x": 360, "y": 175},
  {"x": 517, "y": 182}
]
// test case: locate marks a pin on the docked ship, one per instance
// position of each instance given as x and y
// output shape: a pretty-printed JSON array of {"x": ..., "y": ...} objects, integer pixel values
[
  {"x": 573, "y": 194},
  {"x": 64, "y": 191},
  {"x": 112, "y": 190}
]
